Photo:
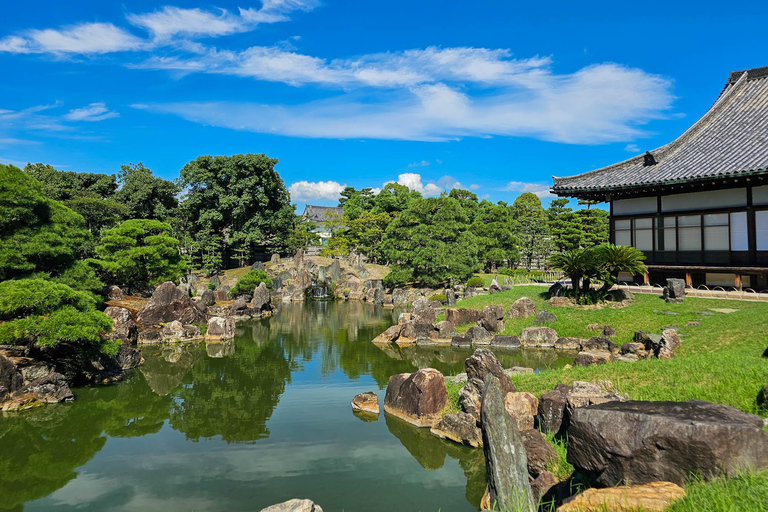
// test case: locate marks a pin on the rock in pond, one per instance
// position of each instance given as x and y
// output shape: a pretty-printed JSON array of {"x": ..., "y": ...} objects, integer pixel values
[
  {"x": 167, "y": 304},
  {"x": 294, "y": 505},
  {"x": 478, "y": 335},
  {"x": 652, "y": 497},
  {"x": 482, "y": 363},
  {"x": 262, "y": 299},
  {"x": 123, "y": 326},
  {"x": 502, "y": 341},
  {"x": 522, "y": 308},
  {"x": 463, "y": 316},
  {"x": 460, "y": 428},
  {"x": 418, "y": 398},
  {"x": 505, "y": 459},
  {"x": 220, "y": 328},
  {"x": 642, "y": 442},
  {"x": 175, "y": 331},
  {"x": 367, "y": 402}
]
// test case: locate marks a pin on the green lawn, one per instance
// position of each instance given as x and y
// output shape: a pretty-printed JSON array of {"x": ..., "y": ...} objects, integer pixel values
[{"x": 720, "y": 360}]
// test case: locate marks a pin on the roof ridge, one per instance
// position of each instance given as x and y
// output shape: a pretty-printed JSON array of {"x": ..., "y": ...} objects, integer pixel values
[{"x": 752, "y": 74}]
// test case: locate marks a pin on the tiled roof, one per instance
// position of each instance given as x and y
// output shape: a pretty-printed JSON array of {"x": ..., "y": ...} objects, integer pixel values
[
  {"x": 730, "y": 140},
  {"x": 321, "y": 213}
]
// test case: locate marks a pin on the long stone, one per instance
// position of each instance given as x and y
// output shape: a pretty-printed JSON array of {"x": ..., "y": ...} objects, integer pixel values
[
  {"x": 653, "y": 497},
  {"x": 505, "y": 459},
  {"x": 294, "y": 506}
]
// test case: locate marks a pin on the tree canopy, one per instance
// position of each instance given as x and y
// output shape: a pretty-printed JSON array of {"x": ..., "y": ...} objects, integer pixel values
[{"x": 145, "y": 195}]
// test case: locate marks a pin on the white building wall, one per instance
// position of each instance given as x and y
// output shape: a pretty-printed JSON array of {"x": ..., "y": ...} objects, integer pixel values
[{"x": 710, "y": 199}]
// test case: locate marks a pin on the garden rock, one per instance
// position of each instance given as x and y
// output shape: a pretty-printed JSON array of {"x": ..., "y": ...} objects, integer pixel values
[
  {"x": 460, "y": 428},
  {"x": 207, "y": 299},
  {"x": 423, "y": 312},
  {"x": 505, "y": 459},
  {"x": 463, "y": 316},
  {"x": 592, "y": 358},
  {"x": 470, "y": 398},
  {"x": 522, "y": 407},
  {"x": 539, "y": 452},
  {"x": 652, "y": 497},
  {"x": 417, "y": 398},
  {"x": 538, "y": 337},
  {"x": 621, "y": 296},
  {"x": 556, "y": 290},
  {"x": 542, "y": 484},
  {"x": 482, "y": 363},
  {"x": 149, "y": 336},
  {"x": 444, "y": 330},
  {"x": 670, "y": 342},
  {"x": 589, "y": 393},
  {"x": 560, "y": 302},
  {"x": 115, "y": 293},
  {"x": 220, "y": 329},
  {"x": 461, "y": 342},
  {"x": 609, "y": 331},
  {"x": 176, "y": 331},
  {"x": 167, "y": 304},
  {"x": 494, "y": 287},
  {"x": 493, "y": 318},
  {"x": 505, "y": 341},
  {"x": 366, "y": 402},
  {"x": 123, "y": 326},
  {"x": 552, "y": 409},
  {"x": 450, "y": 297},
  {"x": 391, "y": 334},
  {"x": 674, "y": 291},
  {"x": 294, "y": 505},
  {"x": 262, "y": 299},
  {"x": 478, "y": 335},
  {"x": 642, "y": 442},
  {"x": 545, "y": 318},
  {"x": 10, "y": 376},
  {"x": 635, "y": 348},
  {"x": 522, "y": 308},
  {"x": 599, "y": 343},
  {"x": 52, "y": 388},
  {"x": 567, "y": 343}
]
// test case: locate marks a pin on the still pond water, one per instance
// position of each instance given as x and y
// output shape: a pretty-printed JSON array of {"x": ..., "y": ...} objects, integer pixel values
[{"x": 246, "y": 424}]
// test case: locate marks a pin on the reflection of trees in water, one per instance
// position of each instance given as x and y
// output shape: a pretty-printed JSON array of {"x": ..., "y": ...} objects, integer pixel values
[
  {"x": 41, "y": 449},
  {"x": 165, "y": 366},
  {"x": 231, "y": 397},
  {"x": 430, "y": 452}
]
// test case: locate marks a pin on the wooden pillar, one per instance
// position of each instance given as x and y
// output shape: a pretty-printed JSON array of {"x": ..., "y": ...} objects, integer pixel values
[
  {"x": 688, "y": 280},
  {"x": 737, "y": 282},
  {"x": 646, "y": 279}
]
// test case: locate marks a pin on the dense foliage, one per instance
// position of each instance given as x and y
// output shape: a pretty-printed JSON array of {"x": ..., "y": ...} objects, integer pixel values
[
  {"x": 249, "y": 281},
  {"x": 139, "y": 252}
]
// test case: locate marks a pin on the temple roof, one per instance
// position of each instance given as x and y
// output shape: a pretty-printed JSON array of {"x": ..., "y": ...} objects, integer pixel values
[
  {"x": 319, "y": 214},
  {"x": 730, "y": 140}
]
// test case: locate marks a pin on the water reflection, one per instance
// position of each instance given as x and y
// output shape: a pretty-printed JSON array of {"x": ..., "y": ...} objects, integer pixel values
[{"x": 255, "y": 420}]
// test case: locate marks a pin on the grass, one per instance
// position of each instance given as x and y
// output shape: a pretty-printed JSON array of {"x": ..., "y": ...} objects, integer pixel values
[
  {"x": 453, "y": 397},
  {"x": 747, "y": 492},
  {"x": 723, "y": 353}
]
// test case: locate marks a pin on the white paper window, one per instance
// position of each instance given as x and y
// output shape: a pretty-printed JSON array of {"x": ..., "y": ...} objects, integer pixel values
[
  {"x": 623, "y": 232},
  {"x": 716, "y": 232},
  {"x": 739, "y": 239},
  {"x": 761, "y": 226},
  {"x": 689, "y": 232},
  {"x": 644, "y": 234}
]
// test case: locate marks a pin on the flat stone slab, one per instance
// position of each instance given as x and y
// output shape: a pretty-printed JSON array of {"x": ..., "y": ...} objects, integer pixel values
[{"x": 653, "y": 497}]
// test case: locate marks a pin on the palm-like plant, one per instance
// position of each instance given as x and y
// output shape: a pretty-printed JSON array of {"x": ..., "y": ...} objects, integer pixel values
[
  {"x": 577, "y": 264},
  {"x": 618, "y": 258}
]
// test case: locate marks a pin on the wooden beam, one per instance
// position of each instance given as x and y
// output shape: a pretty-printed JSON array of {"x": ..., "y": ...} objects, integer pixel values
[{"x": 688, "y": 279}]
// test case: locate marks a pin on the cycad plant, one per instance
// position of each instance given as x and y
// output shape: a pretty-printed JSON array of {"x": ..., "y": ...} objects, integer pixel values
[
  {"x": 618, "y": 258},
  {"x": 578, "y": 264}
]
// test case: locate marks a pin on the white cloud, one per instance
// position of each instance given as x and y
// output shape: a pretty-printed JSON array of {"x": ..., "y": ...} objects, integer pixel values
[
  {"x": 304, "y": 191},
  {"x": 449, "y": 182},
  {"x": 423, "y": 163},
  {"x": 474, "y": 186},
  {"x": 413, "y": 181},
  {"x": 93, "y": 112},
  {"x": 632, "y": 148},
  {"x": 539, "y": 189},
  {"x": 84, "y": 38}
]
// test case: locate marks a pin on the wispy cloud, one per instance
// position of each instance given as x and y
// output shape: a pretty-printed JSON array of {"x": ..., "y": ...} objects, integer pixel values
[
  {"x": 423, "y": 163},
  {"x": 83, "y": 38},
  {"x": 632, "y": 148},
  {"x": 93, "y": 112},
  {"x": 474, "y": 186},
  {"x": 539, "y": 189}
]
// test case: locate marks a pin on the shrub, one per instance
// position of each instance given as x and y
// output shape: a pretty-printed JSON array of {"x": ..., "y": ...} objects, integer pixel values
[
  {"x": 211, "y": 286},
  {"x": 475, "y": 282},
  {"x": 249, "y": 281},
  {"x": 440, "y": 297}
]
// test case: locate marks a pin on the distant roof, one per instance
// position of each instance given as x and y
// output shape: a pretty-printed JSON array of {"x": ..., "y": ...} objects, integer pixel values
[
  {"x": 322, "y": 213},
  {"x": 730, "y": 140}
]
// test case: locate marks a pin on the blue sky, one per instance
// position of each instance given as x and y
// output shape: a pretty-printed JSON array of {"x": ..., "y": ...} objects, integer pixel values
[{"x": 496, "y": 96}]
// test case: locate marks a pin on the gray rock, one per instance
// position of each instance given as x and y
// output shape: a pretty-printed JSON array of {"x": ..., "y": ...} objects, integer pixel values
[
  {"x": 505, "y": 458},
  {"x": 522, "y": 308},
  {"x": 167, "y": 304},
  {"x": 207, "y": 299},
  {"x": 259, "y": 265},
  {"x": 294, "y": 505},
  {"x": 52, "y": 388},
  {"x": 450, "y": 297},
  {"x": 378, "y": 296},
  {"x": 175, "y": 331},
  {"x": 275, "y": 259},
  {"x": 494, "y": 287},
  {"x": 621, "y": 296},
  {"x": 463, "y": 316},
  {"x": 538, "y": 337},
  {"x": 670, "y": 342},
  {"x": 262, "y": 298},
  {"x": 186, "y": 288},
  {"x": 492, "y": 318},
  {"x": 609, "y": 331},
  {"x": 592, "y": 358},
  {"x": 635, "y": 348},
  {"x": 461, "y": 342},
  {"x": 418, "y": 398},
  {"x": 584, "y": 394},
  {"x": 505, "y": 341},
  {"x": 599, "y": 343},
  {"x": 675, "y": 290},
  {"x": 470, "y": 398},
  {"x": 542, "y": 484},
  {"x": 150, "y": 336},
  {"x": 10, "y": 376},
  {"x": 444, "y": 330},
  {"x": 115, "y": 293},
  {"x": 460, "y": 428},
  {"x": 478, "y": 335},
  {"x": 483, "y": 363},
  {"x": 551, "y": 415},
  {"x": 123, "y": 326},
  {"x": 641, "y": 442},
  {"x": 220, "y": 329},
  {"x": 538, "y": 451},
  {"x": 567, "y": 343},
  {"x": 545, "y": 318},
  {"x": 556, "y": 290}
]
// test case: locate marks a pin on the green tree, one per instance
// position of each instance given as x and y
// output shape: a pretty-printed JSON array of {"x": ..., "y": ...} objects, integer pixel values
[
  {"x": 363, "y": 235},
  {"x": 614, "y": 259},
  {"x": 394, "y": 198},
  {"x": 139, "y": 252},
  {"x": 355, "y": 202},
  {"x": 468, "y": 202},
  {"x": 145, "y": 195},
  {"x": 237, "y": 201},
  {"x": 579, "y": 265},
  {"x": 494, "y": 229},
  {"x": 429, "y": 243},
  {"x": 533, "y": 236},
  {"x": 302, "y": 235}
]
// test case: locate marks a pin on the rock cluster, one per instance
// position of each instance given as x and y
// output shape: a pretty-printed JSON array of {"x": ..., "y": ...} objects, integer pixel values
[{"x": 169, "y": 303}]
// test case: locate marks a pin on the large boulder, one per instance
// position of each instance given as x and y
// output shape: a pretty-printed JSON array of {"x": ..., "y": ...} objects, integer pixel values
[
  {"x": 538, "y": 451},
  {"x": 123, "y": 326},
  {"x": 478, "y": 335},
  {"x": 552, "y": 409},
  {"x": 670, "y": 342},
  {"x": 207, "y": 299},
  {"x": 522, "y": 308},
  {"x": 674, "y": 291},
  {"x": 494, "y": 287},
  {"x": 366, "y": 402},
  {"x": 583, "y": 394},
  {"x": 653, "y": 497},
  {"x": 597, "y": 343},
  {"x": 11, "y": 379},
  {"x": 538, "y": 337},
  {"x": 418, "y": 398},
  {"x": 52, "y": 388},
  {"x": 167, "y": 304},
  {"x": 294, "y": 505},
  {"x": 262, "y": 299},
  {"x": 220, "y": 328},
  {"x": 463, "y": 316},
  {"x": 592, "y": 358},
  {"x": 505, "y": 341},
  {"x": 482, "y": 363},
  {"x": 620, "y": 295},
  {"x": 545, "y": 318},
  {"x": 444, "y": 330},
  {"x": 460, "y": 428},
  {"x": 506, "y": 462},
  {"x": 556, "y": 290},
  {"x": 643, "y": 442},
  {"x": 422, "y": 311},
  {"x": 450, "y": 297},
  {"x": 522, "y": 407},
  {"x": 493, "y": 318},
  {"x": 568, "y": 343},
  {"x": 176, "y": 331}
]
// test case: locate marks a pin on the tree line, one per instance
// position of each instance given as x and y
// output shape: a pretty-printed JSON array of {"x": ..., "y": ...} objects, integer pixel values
[{"x": 431, "y": 240}]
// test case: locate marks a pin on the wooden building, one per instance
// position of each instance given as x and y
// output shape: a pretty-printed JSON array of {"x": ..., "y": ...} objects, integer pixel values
[{"x": 698, "y": 206}]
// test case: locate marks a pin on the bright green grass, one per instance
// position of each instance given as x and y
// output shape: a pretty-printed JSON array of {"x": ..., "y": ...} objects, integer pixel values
[{"x": 720, "y": 359}]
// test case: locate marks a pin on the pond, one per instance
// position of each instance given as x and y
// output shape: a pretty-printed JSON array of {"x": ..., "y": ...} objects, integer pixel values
[{"x": 242, "y": 425}]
